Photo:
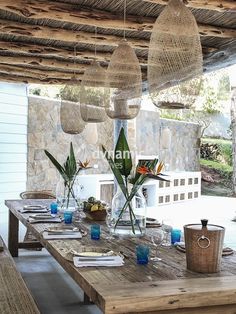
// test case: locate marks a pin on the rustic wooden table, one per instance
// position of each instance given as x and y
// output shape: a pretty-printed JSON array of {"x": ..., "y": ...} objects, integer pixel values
[{"x": 167, "y": 288}]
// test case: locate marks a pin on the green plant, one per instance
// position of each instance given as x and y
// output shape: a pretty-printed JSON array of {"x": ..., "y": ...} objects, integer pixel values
[
  {"x": 217, "y": 150},
  {"x": 70, "y": 93},
  {"x": 69, "y": 170},
  {"x": 225, "y": 171},
  {"x": 170, "y": 114},
  {"x": 121, "y": 167}
]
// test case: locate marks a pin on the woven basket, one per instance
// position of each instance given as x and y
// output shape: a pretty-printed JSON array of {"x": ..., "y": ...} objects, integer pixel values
[
  {"x": 70, "y": 117},
  {"x": 124, "y": 80},
  {"x": 99, "y": 215},
  {"x": 175, "y": 53},
  {"x": 93, "y": 94}
]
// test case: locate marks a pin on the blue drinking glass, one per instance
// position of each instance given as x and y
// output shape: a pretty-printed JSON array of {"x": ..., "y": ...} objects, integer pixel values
[
  {"x": 175, "y": 235},
  {"x": 142, "y": 254},
  {"x": 95, "y": 232},
  {"x": 53, "y": 207},
  {"x": 68, "y": 217}
]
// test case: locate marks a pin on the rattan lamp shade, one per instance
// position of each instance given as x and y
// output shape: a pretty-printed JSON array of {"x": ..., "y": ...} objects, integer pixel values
[
  {"x": 70, "y": 117},
  {"x": 93, "y": 94},
  {"x": 124, "y": 80},
  {"x": 175, "y": 53},
  {"x": 181, "y": 96}
]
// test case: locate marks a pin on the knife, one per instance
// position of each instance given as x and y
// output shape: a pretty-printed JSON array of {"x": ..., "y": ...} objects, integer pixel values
[{"x": 96, "y": 259}]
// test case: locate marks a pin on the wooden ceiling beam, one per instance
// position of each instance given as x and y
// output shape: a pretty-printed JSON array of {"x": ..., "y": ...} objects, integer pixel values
[
  {"x": 213, "y": 5},
  {"x": 73, "y": 37},
  {"x": 28, "y": 78},
  {"x": 30, "y": 34},
  {"x": 42, "y": 12},
  {"x": 49, "y": 52},
  {"x": 43, "y": 64},
  {"x": 9, "y": 47},
  {"x": 17, "y": 73},
  {"x": 41, "y": 74}
]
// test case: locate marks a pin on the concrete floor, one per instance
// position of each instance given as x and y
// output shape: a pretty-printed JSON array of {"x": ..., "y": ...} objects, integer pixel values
[{"x": 52, "y": 288}]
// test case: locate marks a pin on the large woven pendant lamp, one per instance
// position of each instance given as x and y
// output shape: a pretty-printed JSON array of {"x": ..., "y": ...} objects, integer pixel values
[
  {"x": 124, "y": 80},
  {"x": 93, "y": 93},
  {"x": 70, "y": 117},
  {"x": 175, "y": 56}
]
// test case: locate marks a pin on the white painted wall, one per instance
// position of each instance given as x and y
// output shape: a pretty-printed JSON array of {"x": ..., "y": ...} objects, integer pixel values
[{"x": 13, "y": 145}]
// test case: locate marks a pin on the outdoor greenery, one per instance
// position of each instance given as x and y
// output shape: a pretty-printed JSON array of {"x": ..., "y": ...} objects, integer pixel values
[
  {"x": 216, "y": 161},
  {"x": 218, "y": 150},
  {"x": 225, "y": 171},
  {"x": 212, "y": 91},
  {"x": 70, "y": 93}
]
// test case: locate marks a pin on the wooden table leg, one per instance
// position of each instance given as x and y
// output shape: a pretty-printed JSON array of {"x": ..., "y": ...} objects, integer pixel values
[
  {"x": 87, "y": 299},
  {"x": 13, "y": 234}
]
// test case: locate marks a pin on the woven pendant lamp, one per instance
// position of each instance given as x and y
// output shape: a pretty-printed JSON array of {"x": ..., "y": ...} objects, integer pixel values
[
  {"x": 175, "y": 54},
  {"x": 181, "y": 96},
  {"x": 124, "y": 80},
  {"x": 93, "y": 94},
  {"x": 70, "y": 117}
]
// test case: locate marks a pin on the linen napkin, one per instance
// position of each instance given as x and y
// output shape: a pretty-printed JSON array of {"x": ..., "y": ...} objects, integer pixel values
[
  {"x": 34, "y": 209},
  {"x": 44, "y": 210},
  {"x": 50, "y": 236},
  {"x": 48, "y": 220},
  {"x": 107, "y": 261}
]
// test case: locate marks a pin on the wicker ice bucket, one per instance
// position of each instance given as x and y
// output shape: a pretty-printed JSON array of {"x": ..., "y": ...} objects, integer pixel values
[{"x": 204, "y": 245}]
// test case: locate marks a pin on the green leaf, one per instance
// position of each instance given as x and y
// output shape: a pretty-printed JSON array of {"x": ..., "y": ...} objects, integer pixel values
[
  {"x": 73, "y": 164},
  {"x": 115, "y": 171},
  {"x": 157, "y": 177},
  {"x": 58, "y": 166},
  {"x": 123, "y": 160}
]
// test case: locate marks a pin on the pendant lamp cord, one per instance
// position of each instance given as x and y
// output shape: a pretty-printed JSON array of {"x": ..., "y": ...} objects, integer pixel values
[
  {"x": 95, "y": 48},
  {"x": 74, "y": 59},
  {"x": 124, "y": 16}
]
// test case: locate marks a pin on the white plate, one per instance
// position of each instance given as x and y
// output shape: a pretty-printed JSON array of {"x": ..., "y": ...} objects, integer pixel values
[
  {"x": 93, "y": 253},
  {"x": 34, "y": 207},
  {"x": 41, "y": 216}
]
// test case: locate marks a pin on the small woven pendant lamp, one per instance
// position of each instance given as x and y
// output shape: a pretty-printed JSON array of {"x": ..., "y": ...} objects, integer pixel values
[
  {"x": 93, "y": 94},
  {"x": 124, "y": 80},
  {"x": 175, "y": 56},
  {"x": 70, "y": 117}
]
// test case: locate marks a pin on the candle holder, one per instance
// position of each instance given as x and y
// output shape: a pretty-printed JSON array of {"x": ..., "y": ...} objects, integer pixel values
[
  {"x": 95, "y": 232},
  {"x": 68, "y": 217},
  {"x": 175, "y": 235},
  {"x": 53, "y": 208},
  {"x": 142, "y": 254}
]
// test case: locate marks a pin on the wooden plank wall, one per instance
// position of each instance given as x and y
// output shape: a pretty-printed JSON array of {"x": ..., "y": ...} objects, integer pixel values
[{"x": 13, "y": 144}]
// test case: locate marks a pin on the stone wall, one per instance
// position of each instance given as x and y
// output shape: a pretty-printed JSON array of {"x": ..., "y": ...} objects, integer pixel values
[
  {"x": 183, "y": 151},
  {"x": 44, "y": 132}
]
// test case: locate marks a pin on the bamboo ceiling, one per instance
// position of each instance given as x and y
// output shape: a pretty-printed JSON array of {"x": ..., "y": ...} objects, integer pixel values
[{"x": 37, "y": 37}]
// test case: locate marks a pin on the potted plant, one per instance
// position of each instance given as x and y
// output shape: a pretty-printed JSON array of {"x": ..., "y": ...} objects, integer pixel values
[
  {"x": 128, "y": 204},
  {"x": 67, "y": 187}
]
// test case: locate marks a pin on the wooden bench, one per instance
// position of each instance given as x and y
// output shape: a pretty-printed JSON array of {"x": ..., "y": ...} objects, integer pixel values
[{"x": 14, "y": 295}]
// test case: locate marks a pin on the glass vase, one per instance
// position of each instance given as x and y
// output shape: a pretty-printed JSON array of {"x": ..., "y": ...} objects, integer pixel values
[
  {"x": 67, "y": 194},
  {"x": 129, "y": 216}
]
